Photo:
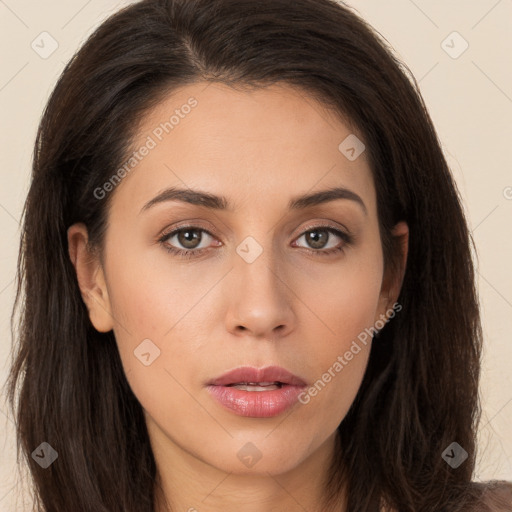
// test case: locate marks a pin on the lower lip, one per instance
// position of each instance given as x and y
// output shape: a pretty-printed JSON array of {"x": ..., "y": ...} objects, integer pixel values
[{"x": 256, "y": 404}]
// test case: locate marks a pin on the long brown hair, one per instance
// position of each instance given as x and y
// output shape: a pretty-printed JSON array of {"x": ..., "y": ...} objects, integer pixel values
[{"x": 67, "y": 385}]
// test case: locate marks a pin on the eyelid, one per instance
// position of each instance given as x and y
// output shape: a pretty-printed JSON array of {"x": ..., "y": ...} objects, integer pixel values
[
  {"x": 184, "y": 225},
  {"x": 325, "y": 225}
]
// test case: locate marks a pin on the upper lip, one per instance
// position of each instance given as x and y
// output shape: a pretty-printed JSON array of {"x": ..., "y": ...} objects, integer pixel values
[{"x": 249, "y": 374}]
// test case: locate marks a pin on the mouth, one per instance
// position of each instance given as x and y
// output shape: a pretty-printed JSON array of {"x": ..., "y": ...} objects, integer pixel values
[
  {"x": 259, "y": 377},
  {"x": 257, "y": 393},
  {"x": 257, "y": 386}
]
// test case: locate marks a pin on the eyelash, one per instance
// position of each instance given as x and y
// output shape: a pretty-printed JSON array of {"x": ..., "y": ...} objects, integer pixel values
[{"x": 193, "y": 253}]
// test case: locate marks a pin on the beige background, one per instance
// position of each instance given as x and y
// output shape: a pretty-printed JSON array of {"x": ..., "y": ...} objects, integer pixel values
[{"x": 469, "y": 99}]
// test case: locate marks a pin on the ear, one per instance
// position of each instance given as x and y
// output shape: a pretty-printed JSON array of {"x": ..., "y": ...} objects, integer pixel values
[
  {"x": 394, "y": 274},
  {"x": 91, "y": 279}
]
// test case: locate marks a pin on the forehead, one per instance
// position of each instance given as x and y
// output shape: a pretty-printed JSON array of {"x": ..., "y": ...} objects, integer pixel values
[{"x": 246, "y": 144}]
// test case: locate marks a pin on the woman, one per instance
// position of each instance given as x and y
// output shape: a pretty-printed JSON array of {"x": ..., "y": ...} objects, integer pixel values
[{"x": 188, "y": 341}]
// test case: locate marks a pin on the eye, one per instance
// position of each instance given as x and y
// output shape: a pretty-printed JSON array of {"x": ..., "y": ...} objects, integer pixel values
[
  {"x": 322, "y": 240},
  {"x": 190, "y": 239}
]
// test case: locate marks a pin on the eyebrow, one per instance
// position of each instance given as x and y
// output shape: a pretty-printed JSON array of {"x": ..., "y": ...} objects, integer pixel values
[{"x": 207, "y": 200}]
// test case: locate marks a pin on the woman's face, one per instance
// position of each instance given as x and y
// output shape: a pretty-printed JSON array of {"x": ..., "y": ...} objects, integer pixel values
[{"x": 272, "y": 279}]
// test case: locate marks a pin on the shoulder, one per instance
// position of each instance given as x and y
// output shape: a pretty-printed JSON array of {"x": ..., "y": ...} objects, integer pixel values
[{"x": 496, "y": 495}]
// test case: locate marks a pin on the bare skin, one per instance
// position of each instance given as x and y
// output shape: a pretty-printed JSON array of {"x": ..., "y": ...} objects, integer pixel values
[{"x": 292, "y": 306}]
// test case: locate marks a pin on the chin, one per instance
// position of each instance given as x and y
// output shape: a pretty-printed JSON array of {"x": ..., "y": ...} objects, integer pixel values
[{"x": 259, "y": 455}]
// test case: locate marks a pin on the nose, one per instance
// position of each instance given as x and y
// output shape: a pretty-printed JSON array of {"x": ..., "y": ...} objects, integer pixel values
[{"x": 260, "y": 299}]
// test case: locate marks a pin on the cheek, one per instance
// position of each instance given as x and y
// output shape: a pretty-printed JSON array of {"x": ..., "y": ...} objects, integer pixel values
[
  {"x": 161, "y": 321},
  {"x": 149, "y": 295},
  {"x": 344, "y": 298},
  {"x": 345, "y": 304},
  {"x": 157, "y": 352}
]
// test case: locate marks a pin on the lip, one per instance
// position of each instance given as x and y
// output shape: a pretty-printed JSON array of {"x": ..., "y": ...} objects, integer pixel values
[
  {"x": 251, "y": 374},
  {"x": 257, "y": 404}
]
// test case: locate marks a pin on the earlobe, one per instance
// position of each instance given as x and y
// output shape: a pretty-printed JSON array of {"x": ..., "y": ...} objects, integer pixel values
[{"x": 91, "y": 279}]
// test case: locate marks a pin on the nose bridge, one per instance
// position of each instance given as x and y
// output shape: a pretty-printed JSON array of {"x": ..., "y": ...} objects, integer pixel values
[
  {"x": 260, "y": 299},
  {"x": 256, "y": 265}
]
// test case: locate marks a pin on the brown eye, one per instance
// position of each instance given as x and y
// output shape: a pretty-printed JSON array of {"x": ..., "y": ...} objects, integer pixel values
[
  {"x": 186, "y": 239},
  {"x": 317, "y": 238},
  {"x": 323, "y": 239},
  {"x": 189, "y": 238}
]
